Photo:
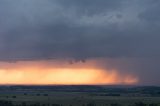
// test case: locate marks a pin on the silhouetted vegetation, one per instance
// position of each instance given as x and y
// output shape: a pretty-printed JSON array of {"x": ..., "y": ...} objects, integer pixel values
[
  {"x": 6, "y": 103},
  {"x": 13, "y": 96}
]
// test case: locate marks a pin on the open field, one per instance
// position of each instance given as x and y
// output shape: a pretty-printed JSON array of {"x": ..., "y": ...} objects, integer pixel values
[{"x": 22, "y": 96}]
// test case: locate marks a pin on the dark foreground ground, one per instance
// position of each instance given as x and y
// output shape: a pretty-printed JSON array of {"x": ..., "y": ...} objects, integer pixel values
[{"x": 79, "y": 96}]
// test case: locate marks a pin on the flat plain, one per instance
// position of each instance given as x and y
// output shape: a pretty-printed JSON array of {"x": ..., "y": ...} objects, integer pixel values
[{"x": 79, "y": 96}]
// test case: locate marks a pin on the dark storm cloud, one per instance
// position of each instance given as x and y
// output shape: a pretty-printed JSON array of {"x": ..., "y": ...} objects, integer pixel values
[
  {"x": 83, "y": 29},
  {"x": 88, "y": 7},
  {"x": 151, "y": 13},
  {"x": 78, "y": 29}
]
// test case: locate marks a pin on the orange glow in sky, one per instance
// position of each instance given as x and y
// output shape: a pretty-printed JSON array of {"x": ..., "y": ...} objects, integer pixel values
[{"x": 40, "y": 74}]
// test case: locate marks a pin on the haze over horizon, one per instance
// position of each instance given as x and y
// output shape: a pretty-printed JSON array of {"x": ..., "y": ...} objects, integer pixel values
[{"x": 80, "y": 42}]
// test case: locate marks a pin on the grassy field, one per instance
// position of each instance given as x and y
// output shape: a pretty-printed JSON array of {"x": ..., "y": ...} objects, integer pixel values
[
  {"x": 36, "y": 98},
  {"x": 79, "y": 96}
]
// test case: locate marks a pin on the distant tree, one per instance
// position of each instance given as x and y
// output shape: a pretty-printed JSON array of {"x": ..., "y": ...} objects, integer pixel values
[
  {"x": 25, "y": 93},
  {"x": 38, "y": 94},
  {"x": 6, "y": 103},
  {"x": 45, "y": 95},
  {"x": 14, "y": 97}
]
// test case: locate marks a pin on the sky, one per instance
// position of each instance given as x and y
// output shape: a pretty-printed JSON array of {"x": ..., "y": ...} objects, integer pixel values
[{"x": 108, "y": 41}]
